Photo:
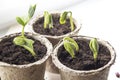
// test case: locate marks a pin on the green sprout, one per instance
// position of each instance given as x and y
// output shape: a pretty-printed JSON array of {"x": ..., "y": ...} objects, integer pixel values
[
  {"x": 63, "y": 18},
  {"x": 94, "y": 48},
  {"x": 22, "y": 40},
  {"x": 48, "y": 21},
  {"x": 70, "y": 45}
]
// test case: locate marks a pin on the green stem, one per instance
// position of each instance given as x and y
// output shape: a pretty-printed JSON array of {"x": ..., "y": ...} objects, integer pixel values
[
  {"x": 95, "y": 55},
  {"x": 71, "y": 21},
  {"x": 22, "y": 31},
  {"x": 50, "y": 22}
]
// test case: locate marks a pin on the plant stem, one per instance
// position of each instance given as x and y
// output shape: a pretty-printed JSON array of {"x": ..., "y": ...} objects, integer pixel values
[
  {"x": 71, "y": 21},
  {"x": 95, "y": 56},
  {"x": 22, "y": 31}
]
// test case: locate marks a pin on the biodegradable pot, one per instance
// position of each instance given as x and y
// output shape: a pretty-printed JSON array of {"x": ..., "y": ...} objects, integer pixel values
[
  {"x": 53, "y": 39},
  {"x": 32, "y": 71},
  {"x": 97, "y": 74}
]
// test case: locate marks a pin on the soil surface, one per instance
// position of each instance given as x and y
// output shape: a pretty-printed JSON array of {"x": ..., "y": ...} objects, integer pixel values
[
  {"x": 13, "y": 54},
  {"x": 84, "y": 57},
  {"x": 59, "y": 29}
]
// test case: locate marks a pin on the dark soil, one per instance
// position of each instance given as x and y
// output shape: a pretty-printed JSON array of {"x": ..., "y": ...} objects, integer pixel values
[
  {"x": 84, "y": 57},
  {"x": 59, "y": 29},
  {"x": 13, "y": 54}
]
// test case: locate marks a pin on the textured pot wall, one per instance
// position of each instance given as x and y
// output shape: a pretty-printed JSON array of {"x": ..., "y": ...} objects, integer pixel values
[
  {"x": 35, "y": 72},
  {"x": 51, "y": 67},
  {"x": 103, "y": 75}
]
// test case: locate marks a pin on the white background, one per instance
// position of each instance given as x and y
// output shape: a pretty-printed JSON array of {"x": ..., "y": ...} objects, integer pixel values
[{"x": 99, "y": 18}]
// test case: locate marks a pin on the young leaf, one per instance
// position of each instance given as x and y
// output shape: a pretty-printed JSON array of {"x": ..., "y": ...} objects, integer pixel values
[
  {"x": 70, "y": 45},
  {"x": 31, "y": 11},
  {"x": 72, "y": 41},
  {"x": 20, "y": 21},
  {"x": 94, "y": 48},
  {"x": 26, "y": 43},
  {"x": 48, "y": 20},
  {"x": 63, "y": 18}
]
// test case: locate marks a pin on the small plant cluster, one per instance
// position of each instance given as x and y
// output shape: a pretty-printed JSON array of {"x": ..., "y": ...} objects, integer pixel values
[
  {"x": 48, "y": 21},
  {"x": 26, "y": 43},
  {"x": 71, "y": 46},
  {"x": 22, "y": 40}
]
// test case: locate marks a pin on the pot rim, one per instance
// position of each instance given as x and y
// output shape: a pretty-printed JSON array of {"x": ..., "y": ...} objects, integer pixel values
[
  {"x": 83, "y": 72},
  {"x": 42, "y": 39},
  {"x": 30, "y": 26}
]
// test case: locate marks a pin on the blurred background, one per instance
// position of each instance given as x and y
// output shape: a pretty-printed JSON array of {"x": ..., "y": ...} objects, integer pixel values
[{"x": 99, "y": 18}]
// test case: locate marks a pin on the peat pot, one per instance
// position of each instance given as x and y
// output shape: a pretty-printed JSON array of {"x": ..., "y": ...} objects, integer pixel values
[
  {"x": 31, "y": 71},
  {"x": 68, "y": 73}
]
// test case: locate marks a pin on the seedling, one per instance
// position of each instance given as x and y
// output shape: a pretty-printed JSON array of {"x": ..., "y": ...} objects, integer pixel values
[
  {"x": 70, "y": 45},
  {"x": 63, "y": 18},
  {"x": 94, "y": 48},
  {"x": 22, "y": 40},
  {"x": 48, "y": 21}
]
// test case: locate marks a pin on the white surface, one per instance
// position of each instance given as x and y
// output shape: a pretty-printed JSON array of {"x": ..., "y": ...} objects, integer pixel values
[
  {"x": 51, "y": 76},
  {"x": 100, "y": 18},
  {"x": 9, "y": 9}
]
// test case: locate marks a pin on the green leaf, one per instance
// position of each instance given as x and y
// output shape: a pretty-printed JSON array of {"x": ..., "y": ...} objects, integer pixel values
[
  {"x": 31, "y": 11},
  {"x": 69, "y": 48},
  {"x": 19, "y": 40},
  {"x": 72, "y": 42},
  {"x": 24, "y": 20},
  {"x": 48, "y": 20},
  {"x": 70, "y": 45},
  {"x": 26, "y": 43},
  {"x": 94, "y": 48},
  {"x": 21, "y": 21},
  {"x": 63, "y": 17},
  {"x": 29, "y": 46}
]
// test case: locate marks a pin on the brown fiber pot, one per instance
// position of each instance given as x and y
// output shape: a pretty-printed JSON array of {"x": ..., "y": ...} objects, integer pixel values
[
  {"x": 53, "y": 39},
  {"x": 32, "y": 71},
  {"x": 98, "y": 74}
]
